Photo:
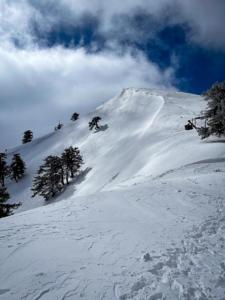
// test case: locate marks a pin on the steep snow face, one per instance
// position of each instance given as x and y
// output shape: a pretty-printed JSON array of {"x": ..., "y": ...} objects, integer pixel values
[
  {"x": 145, "y": 221},
  {"x": 142, "y": 135}
]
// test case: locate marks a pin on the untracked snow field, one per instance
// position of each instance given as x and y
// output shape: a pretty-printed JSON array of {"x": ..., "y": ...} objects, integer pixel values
[{"x": 145, "y": 219}]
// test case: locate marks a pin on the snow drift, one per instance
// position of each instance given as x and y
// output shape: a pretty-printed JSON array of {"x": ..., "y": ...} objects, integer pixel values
[{"x": 147, "y": 187}]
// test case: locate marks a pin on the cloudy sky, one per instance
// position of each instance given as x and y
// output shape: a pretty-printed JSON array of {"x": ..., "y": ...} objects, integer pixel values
[{"x": 61, "y": 56}]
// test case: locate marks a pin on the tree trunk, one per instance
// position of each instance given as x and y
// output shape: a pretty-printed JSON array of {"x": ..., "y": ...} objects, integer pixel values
[
  {"x": 72, "y": 173},
  {"x": 2, "y": 180}
]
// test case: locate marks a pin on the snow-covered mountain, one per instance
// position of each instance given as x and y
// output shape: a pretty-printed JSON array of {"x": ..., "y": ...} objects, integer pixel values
[{"x": 145, "y": 219}]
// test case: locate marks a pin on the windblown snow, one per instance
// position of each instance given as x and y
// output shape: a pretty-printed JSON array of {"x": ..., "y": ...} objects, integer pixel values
[{"x": 144, "y": 220}]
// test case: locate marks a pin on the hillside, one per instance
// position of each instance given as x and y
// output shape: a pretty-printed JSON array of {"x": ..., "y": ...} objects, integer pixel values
[
  {"x": 145, "y": 219},
  {"x": 143, "y": 135}
]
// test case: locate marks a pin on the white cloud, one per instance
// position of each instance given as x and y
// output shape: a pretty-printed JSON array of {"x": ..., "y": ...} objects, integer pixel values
[
  {"x": 14, "y": 22},
  {"x": 205, "y": 18},
  {"x": 39, "y": 87}
]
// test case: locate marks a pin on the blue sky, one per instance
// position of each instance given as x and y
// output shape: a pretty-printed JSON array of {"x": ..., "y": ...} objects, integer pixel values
[
  {"x": 64, "y": 55},
  {"x": 198, "y": 65}
]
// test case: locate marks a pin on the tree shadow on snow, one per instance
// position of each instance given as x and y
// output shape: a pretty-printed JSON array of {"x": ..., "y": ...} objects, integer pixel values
[
  {"x": 81, "y": 177},
  {"x": 102, "y": 128},
  {"x": 215, "y": 141},
  {"x": 70, "y": 188}
]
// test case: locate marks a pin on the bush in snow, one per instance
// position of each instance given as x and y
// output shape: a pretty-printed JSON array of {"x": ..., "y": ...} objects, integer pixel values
[
  {"x": 215, "y": 112},
  {"x": 75, "y": 117},
  {"x": 17, "y": 167},
  {"x": 94, "y": 123},
  {"x": 27, "y": 136}
]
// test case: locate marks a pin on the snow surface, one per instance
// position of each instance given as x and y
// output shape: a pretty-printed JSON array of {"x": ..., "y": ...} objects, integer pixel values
[{"x": 144, "y": 220}]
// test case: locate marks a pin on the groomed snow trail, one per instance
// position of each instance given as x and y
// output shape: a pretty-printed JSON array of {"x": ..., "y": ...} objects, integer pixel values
[{"x": 145, "y": 221}]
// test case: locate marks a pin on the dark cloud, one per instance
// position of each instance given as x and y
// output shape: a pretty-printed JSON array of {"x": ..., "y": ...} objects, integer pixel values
[{"x": 206, "y": 20}]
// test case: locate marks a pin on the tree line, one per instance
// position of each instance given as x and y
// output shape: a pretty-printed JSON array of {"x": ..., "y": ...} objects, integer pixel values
[
  {"x": 94, "y": 123},
  {"x": 53, "y": 175}
]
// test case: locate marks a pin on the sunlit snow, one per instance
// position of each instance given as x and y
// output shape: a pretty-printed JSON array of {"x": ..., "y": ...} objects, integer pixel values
[{"x": 144, "y": 220}]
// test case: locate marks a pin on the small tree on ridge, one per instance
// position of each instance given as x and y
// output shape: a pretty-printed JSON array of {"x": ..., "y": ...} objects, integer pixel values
[
  {"x": 27, "y": 136},
  {"x": 74, "y": 117},
  {"x": 94, "y": 123}
]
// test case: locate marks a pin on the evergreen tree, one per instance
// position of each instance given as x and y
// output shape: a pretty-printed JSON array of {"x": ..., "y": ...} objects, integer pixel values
[
  {"x": 17, "y": 167},
  {"x": 59, "y": 126},
  {"x": 4, "y": 171},
  {"x": 27, "y": 136},
  {"x": 5, "y": 209},
  {"x": 72, "y": 161},
  {"x": 94, "y": 123},
  {"x": 49, "y": 179},
  {"x": 58, "y": 163},
  {"x": 215, "y": 113},
  {"x": 4, "y": 195},
  {"x": 75, "y": 117}
]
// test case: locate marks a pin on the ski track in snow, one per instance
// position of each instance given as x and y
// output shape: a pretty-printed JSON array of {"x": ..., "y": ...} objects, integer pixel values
[
  {"x": 188, "y": 272},
  {"x": 146, "y": 222},
  {"x": 185, "y": 271}
]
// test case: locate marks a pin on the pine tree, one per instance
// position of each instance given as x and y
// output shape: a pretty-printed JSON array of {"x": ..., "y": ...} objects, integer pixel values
[
  {"x": 27, "y": 136},
  {"x": 94, "y": 123},
  {"x": 17, "y": 167},
  {"x": 215, "y": 113},
  {"x": 4, "y": 171},
  {"x": 6, "y": 209},
  {"x": 58, "y": 165},
  {"x": 4, "y": 195},
  {"x": 75, "y": 116},
  {"x": 59, "y": 126},
  {"x": 72, "y": 161},
  {"x": 49, "y": 179}
]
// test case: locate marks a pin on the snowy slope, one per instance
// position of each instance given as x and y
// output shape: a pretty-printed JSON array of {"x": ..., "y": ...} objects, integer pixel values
[
  {"x": 148, "y": 187},
  {"x": 143, "y": 135}
]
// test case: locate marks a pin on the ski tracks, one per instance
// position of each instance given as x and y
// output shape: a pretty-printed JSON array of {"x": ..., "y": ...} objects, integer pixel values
[{"x": 193, "y": 271}]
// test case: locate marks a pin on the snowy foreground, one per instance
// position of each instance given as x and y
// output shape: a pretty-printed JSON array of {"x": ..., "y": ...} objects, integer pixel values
[{"x": 145, "y": 220}]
